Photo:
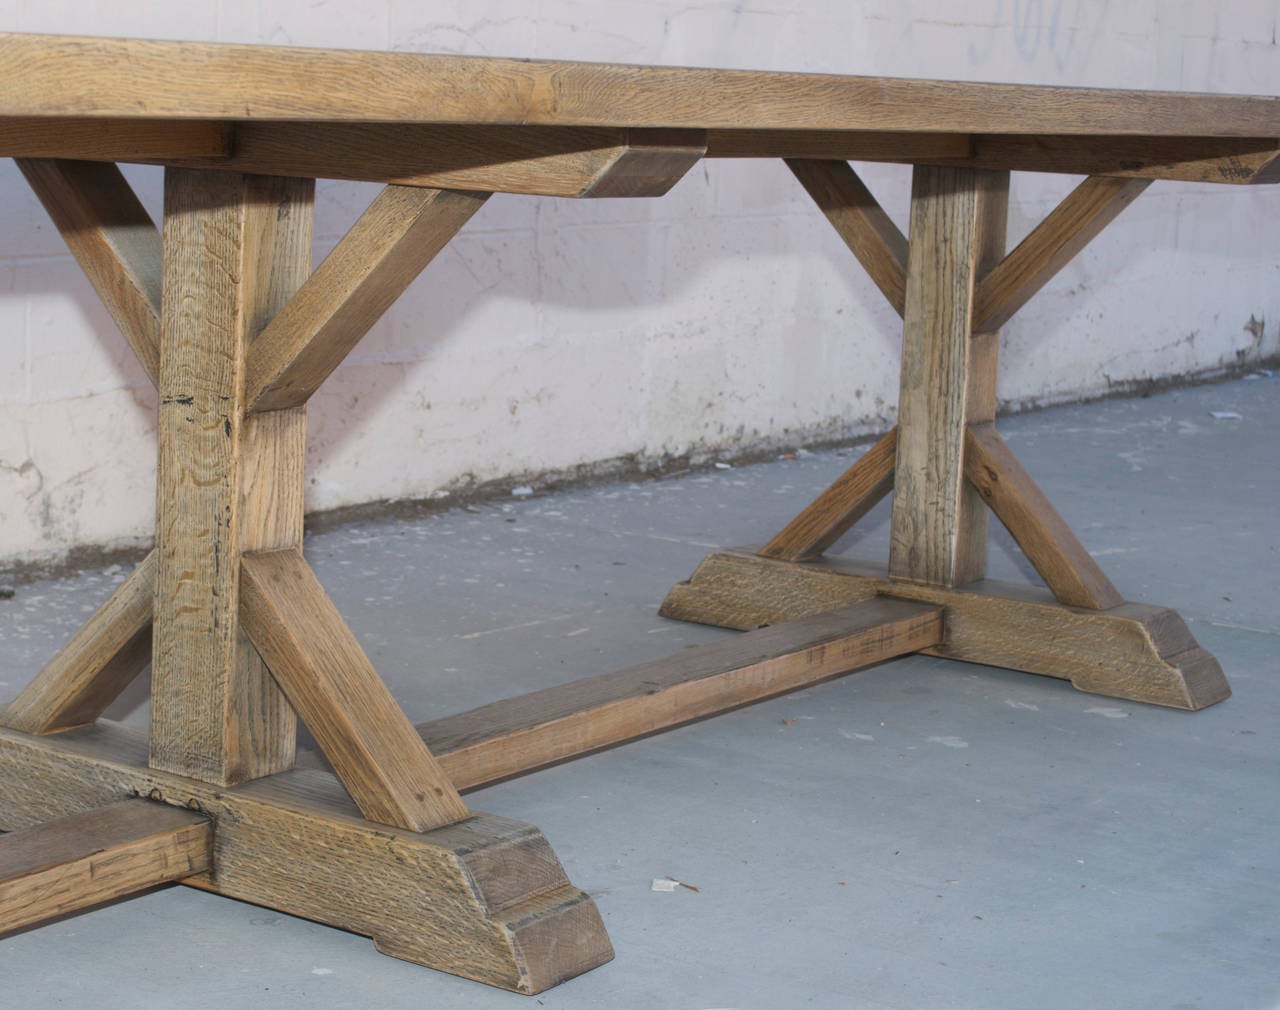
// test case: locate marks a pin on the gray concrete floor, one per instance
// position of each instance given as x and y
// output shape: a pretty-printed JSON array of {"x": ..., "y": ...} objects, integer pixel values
[{"x": 922, "y": 835}]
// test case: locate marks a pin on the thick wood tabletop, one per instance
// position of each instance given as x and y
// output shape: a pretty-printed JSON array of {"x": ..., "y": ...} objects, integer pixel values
[
  {"x": 66, "y": 76},
  {"x": 266, "y": 109}
]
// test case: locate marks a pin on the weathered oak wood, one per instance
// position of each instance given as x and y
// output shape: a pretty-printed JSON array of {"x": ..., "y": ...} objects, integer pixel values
[
  {"x": 1132, "y": 651},
  {"x": 112, "y": 139},
  {"x": 1225, "y": 160},
  {"x": 1229, "y": 160},
  {"x": 486, "y": 898},
  {"x": 649, "y": 163},
  {"x": 833, "y": 513},
  {"x": 817, "y": 145},
  {"x": 522, "y": 734},
  {"x": 112, "y": 238},
  {"x": 85, "y": 859},
  {"x": 371, "y": 744},
  {"x": 938, "y": 531},
  {"x": 874, "y": 239},
  {"x": 543, "y": 161},
  {"x": 236, "y": 247},
  {"x": 1071, "y": 226},
  {"x": 1053, "y": 550},
  {"x": 391, "y": 243},
  {"x": 983, "y": 368},
  {"x": 65, "y": 76},
  {"x": 96, "y": 665}
]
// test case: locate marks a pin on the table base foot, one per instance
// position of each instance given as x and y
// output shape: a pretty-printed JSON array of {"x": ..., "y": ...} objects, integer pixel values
[
  {"x": 1132, "y": 651},
  {"x": 485, "y": 898}
]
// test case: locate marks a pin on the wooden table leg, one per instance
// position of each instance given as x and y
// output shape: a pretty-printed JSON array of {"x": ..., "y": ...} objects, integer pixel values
[
  {"x": 226, "y": 313},
  {"x": 946, "y": 465}
]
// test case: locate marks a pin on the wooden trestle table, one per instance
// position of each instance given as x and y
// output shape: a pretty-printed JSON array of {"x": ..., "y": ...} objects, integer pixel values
[{"x": 237, "y": 331}]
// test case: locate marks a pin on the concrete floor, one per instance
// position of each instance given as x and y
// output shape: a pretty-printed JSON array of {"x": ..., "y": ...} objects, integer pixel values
[{"x": 922, "y": 835}]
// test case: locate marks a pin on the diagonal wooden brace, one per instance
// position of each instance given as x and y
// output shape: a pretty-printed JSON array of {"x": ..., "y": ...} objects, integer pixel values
[
  {"x": 853, "y": 494},
  {"x": 329, "y": 680},
  {"x": 96, "y": 665},
  {"x": 871, "y": 236},
  {"x": 1053, "y": 550},
  {"x": 1076, "y": 222},
  {"x": 112, "y": 238},
  {"x": 392, "y": 242}
]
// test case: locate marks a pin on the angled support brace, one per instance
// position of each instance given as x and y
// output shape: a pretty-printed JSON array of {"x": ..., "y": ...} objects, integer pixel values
[
  {"x": 392, "y": 242},
  {"x": 1053, "y": 243},
  {"x": 330, "y": 682},
  {"x": 873, "y": 238},
  {"x": 833, "y": 513},
  {"x": 1053, "y": 550},
  {"x": 96, "y": 665},
  {"x": 112, "y": 238}
]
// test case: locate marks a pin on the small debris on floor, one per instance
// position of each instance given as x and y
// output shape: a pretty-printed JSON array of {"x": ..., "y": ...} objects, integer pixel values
[
  {"x": 7, "y": 592},
  {"x": 523, "y": 491},
  {"x": 723, "y": 466},
  {"x": 788, "y": 722},
  {"x": 1226, "y": 415},
  {"x": 669, "y": 884}
]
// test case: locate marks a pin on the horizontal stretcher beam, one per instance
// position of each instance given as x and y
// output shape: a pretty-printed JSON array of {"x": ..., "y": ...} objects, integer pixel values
[
  {"x": 522, "y": 734},
  {"x": 76, "y": 862}
]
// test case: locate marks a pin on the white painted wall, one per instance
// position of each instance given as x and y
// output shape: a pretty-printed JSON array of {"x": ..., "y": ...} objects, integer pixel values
[{"x": 728, "y": 315}]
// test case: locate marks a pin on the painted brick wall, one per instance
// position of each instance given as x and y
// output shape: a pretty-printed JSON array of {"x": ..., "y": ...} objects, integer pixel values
[{"x": 727, "y": 316}]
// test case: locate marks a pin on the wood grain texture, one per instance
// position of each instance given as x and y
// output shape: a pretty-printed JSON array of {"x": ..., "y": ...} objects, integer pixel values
[
  {"x": 486, "y": 898},
  {"x": 112, "y": 139},
  {"x": 983, "y": 369},
  {"x": 649, "y": 163},
  {"x": 391, "y": 243},
  {"x": 818, "y": 145},
  {"x": 96, "y": 665},
  {"x": 112, "y": 238},
  {"x": 1132, "y": 651},
  {"x": 833, "y": 513},
  {"x": 873, "y": 238},
  {"x": 1071, "y": 226},
  {"x": 543, "y": 161},
  {"x": 329, "y": 680},
  {"x": 938, "y": 528},
  {"x": 68, "y": 76},
  {"x": 81, "y": 860},
  {"x": 235, "y": 248},
  {"x": 1053, "y": 550},
  {"x": 522, "y": 734},
  {"x": 1234, "y": 161}
]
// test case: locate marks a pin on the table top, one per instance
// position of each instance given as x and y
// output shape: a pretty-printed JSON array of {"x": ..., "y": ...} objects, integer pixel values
[
  {"x": 195, "y": 96},
  {"x": 54, "y": 75}
]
